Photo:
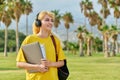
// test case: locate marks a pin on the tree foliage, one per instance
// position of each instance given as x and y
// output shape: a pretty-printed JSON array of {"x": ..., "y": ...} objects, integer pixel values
[{"x": 11, "y": 39}]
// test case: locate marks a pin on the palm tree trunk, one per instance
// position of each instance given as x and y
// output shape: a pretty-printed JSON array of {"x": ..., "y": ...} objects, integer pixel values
[
  {"x": 67, "y": 41},
  {"x": 26, "y": 24},
  {"x": 103, "y": 44},
  {"x": 91, "y": 44},
  {"x": 88, "y": 47},
  {"x": 17, "y": 37},
  {"x": 81, "y": 47},
  {"x": 113, "y": 48},
  {"x": 106, "y": 48},
  {"x": 6, "y": 36},
  {"x": 117, "y": 47}
]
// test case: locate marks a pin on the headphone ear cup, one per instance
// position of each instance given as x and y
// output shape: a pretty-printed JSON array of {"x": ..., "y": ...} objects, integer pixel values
[{"x": 38, "y": 23}]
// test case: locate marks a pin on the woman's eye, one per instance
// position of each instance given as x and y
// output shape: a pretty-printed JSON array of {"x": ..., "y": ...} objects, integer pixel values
[
  {"x": 49, "y": 20},
  {"x": 46, "y": 19}
]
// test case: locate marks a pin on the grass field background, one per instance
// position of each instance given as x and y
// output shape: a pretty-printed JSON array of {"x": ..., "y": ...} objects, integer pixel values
[{"x": 95, "y": 67}]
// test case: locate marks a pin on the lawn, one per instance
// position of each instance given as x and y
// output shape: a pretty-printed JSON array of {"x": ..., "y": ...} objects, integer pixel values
[{"x": 95, "y": 67}]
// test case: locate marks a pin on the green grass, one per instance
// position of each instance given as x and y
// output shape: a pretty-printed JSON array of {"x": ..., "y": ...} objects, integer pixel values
[{"x": 95, "y": 67}]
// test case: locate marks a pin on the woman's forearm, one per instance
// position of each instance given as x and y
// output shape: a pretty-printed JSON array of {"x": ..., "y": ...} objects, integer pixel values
[
  {"x": 57, "y": 64},
  {"x": 25, "y": 65}
]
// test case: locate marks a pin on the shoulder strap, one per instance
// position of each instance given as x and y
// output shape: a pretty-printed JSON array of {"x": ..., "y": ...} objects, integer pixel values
[{"x": 54, "y": 43}]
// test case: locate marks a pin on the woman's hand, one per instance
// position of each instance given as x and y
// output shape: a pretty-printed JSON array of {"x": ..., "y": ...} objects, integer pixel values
[
  {"x": 42, "y": 68},
  {"x": 46, "y": 63}
]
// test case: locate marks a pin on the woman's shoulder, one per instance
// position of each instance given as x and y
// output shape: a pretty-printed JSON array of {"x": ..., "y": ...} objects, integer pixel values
[{"x": 30, "y": 37}]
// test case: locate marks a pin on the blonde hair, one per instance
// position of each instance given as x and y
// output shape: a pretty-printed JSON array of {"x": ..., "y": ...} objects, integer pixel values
[{"x": 40, "y": 16}]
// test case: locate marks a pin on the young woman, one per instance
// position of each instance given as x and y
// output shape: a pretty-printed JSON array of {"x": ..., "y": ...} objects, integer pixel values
[{"x": 42, "y": 27}]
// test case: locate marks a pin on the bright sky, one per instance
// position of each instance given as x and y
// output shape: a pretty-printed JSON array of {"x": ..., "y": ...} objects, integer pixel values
[{"x": 63, "y": 6}]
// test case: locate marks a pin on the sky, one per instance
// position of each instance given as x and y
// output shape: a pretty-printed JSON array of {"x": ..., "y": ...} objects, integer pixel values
[{"x": 63, "y": 6}]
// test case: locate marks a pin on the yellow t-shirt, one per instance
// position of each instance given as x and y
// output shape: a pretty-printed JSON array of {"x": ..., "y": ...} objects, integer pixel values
[{"x": 50, "y": 54}]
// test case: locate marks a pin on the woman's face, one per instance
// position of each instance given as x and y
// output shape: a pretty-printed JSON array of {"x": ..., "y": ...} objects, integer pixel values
[{"x": 47, "y": 23}]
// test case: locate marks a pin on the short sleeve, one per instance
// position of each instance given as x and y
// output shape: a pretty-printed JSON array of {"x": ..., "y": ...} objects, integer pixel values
[{"x": 20, "y": 55}]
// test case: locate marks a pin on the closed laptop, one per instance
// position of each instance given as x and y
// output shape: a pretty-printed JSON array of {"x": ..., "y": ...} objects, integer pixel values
[{"x": 32, "y": 53}]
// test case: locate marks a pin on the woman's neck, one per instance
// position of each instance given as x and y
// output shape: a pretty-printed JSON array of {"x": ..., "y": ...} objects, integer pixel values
[{"x": 43, "y": 34}]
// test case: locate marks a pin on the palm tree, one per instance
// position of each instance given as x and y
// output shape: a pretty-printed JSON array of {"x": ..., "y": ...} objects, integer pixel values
[
  {"x": 104, "y": 11},
  {"x": 117, "y": 2},
  {"x": 93, "y": 18},
  {"x": 114, "y": 36},
  {"x": 116, "y": 14},
  {"x": 0, "y": 14},
  {"x": 115, "y": 5},
  {"x": 106, "y": 35},
  {"x": 99, "y": 22},
  {"x": 86, "y": 7},
  {"x": 80, "y": 34},
  {"x": 16, "y": 8},
  {"x": 68, "y": 18},
  {"x": 57, "y": 19},
  {"x": 27, "y": 6},
  {"x": 112, "y": 3},
  {"x": 89, "y": 38},
  {"x": 6, "y": 19},
  {"x": 1, "y": 8}
]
